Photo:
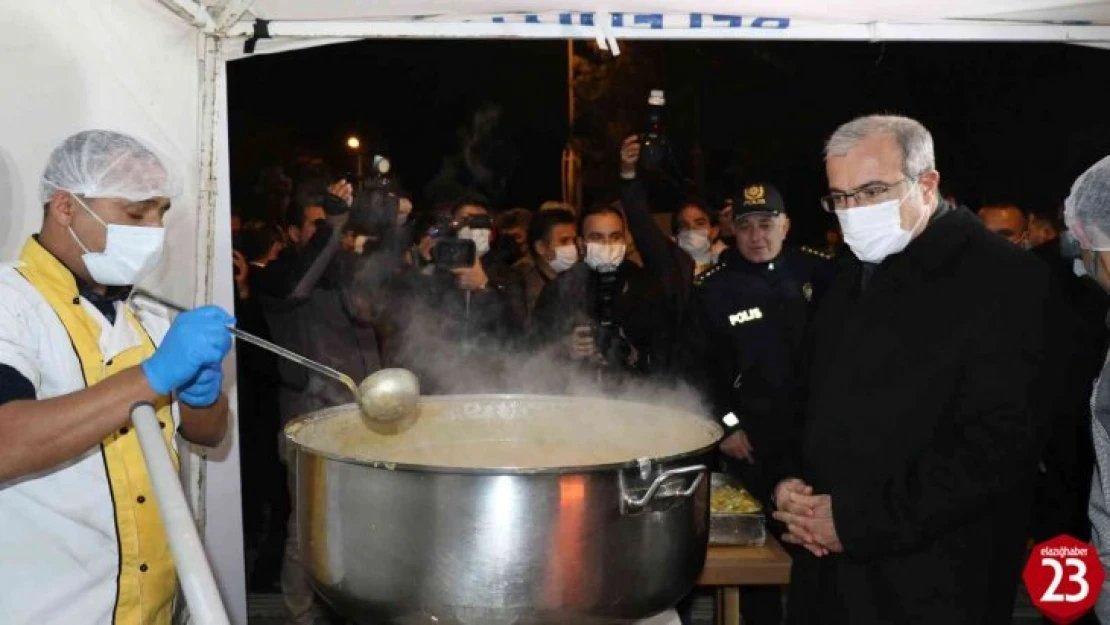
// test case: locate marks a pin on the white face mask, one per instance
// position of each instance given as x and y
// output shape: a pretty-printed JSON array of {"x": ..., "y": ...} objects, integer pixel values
[
  {"x": 360, "y": 243},
  {"x": 604, "y": 257},
  {"x": 480, "y": 236},
  {"x": 565, "y": 258},
  {"x": 696, "y": 243},
  {"x": 875, "y": 232},
  {"x": 130, "y": 252}
]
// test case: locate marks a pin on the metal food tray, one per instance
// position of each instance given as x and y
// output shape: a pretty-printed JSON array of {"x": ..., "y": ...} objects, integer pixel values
[{"x": 734, "y": 528}]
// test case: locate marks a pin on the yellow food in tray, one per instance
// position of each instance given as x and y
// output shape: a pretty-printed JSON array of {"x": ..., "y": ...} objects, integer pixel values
[{"x": 732, "y": 500}]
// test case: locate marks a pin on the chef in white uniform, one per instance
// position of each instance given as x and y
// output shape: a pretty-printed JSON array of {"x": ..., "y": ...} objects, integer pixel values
[{"x": 81, "y": 539}]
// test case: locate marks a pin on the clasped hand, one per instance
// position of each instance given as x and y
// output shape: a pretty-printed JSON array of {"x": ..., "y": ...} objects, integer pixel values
[{"x": 808, "y": 518}]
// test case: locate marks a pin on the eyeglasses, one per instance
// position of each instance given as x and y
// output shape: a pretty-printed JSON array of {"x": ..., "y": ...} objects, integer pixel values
[{"x": 863, "y": 196}]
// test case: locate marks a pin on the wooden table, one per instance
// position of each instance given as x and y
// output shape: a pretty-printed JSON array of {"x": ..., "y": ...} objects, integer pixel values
[{"x": 727, "y": 568}]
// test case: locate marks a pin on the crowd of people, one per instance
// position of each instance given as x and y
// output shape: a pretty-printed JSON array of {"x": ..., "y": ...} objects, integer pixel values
[
  {"x": 927, "y": 385},
  {"x": 911, "y": 413}
]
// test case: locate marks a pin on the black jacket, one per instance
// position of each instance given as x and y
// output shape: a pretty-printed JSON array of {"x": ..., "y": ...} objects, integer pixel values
[
  {"x": 651, "y": 303},
  {"x": 574, "y": 297},
  {"x": 919, "y": 424},
  {"x": 671, "y": 269},
  {"x": 1076, "y": 346},
  {"x": 453, "y": 340},
  {"x": 745, "y": 336},
  {"x": 308, "y": 309}
]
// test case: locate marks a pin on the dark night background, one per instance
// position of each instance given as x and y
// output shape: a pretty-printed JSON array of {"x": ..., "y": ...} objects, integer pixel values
[{"x": 1012, "y": 122}]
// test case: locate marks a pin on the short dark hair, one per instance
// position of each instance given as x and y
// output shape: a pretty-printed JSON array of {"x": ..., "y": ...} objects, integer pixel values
[
  {"x": 601, "y": 209},
  {"x": 308, "y": 193},
  {"x": 514, "y": 218},
  {"x": 470, "y": 198},
  {"x": 544, "y": 222},
  {"x": 256, "y": 238},
  {"x": 697, "y": 203}
]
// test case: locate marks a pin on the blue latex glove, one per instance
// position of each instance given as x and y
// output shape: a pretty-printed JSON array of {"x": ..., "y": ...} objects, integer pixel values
[
  {"x": 197, "y": 338},
  {"x": 203, "y": 390}
]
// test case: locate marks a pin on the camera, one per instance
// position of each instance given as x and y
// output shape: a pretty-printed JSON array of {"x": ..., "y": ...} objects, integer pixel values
[
  {"x": 653, "y": 142},
  {"x": 452, "y": 252}
]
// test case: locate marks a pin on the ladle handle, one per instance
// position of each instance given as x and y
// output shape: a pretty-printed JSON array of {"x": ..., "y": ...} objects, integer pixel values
[
  {"x": 295, "y": 357},
  {"x": 263, "y": 343}
]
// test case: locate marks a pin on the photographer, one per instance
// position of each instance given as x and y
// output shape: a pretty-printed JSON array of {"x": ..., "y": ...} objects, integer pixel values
[
  {"x": 306, "y": 305},
  {"x": 606, "y": 313},
  {"x": 455, "y": 309},
  {"x": 374, "y": 244}
]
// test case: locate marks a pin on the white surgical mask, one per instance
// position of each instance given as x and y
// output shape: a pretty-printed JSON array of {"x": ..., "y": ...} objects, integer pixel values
[
  {"x": 696, "y": 243},
  {"x": 565, "y": 258},
  {"x": 130, "y": 252},
  {"x": 875, "y": 232},
  {"x": 604, "y": 257},
  {"x": 360, "y": 243},
  {"x": 480, "y": 236}
]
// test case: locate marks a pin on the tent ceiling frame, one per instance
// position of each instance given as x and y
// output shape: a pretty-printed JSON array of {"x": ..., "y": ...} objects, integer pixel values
[
  {"x": 228, "y": 14},
  {"x": 962, "y": 30},
  {"x": 190, "y": 11}
]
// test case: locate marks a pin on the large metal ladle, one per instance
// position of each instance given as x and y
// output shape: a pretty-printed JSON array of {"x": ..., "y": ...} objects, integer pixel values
[{"x": 387, "y": 397}]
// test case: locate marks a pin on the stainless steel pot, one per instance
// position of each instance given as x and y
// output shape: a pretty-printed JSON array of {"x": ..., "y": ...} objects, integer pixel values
[{"x": 533, "y": 537}]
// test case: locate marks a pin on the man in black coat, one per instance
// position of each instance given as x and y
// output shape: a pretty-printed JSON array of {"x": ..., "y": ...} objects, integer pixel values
[
  {"x": 912, "y": 486},
  {"x": 1074, "y": 351}
]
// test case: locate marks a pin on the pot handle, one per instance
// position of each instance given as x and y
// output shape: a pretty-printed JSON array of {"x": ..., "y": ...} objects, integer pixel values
[{"x": 640, "y": 502}]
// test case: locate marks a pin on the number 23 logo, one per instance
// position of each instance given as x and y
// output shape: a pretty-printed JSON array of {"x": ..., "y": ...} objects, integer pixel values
[{"x": 1079, "y": 577}]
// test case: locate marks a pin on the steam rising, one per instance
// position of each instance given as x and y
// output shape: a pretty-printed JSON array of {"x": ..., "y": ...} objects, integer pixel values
[{"x": 448, "y": 364}]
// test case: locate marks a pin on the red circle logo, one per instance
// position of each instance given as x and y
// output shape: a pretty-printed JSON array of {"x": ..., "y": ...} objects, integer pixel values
[{"x": 1063, "y": 577}]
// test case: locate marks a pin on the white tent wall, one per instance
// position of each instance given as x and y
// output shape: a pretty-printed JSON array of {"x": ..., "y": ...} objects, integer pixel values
[{"x": 135, "y": 67}]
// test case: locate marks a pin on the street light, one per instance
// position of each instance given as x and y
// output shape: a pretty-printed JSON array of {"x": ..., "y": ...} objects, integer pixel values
[{"x": 356, "y": 145}]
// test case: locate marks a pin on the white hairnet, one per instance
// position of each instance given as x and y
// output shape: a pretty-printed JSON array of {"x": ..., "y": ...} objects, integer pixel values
[
  {"x": 1087, "y": 209},
  {"x": 106, "y": 164}
]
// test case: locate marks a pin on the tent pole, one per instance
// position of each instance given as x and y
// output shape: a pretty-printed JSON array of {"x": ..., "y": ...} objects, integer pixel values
[
  {"x": 190, "y": 11},
  {"x": 230, "y": 13}
]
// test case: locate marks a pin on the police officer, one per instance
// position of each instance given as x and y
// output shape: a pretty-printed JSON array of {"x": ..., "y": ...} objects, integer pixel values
[
  {"x": 750, "y": 314},
  {"x": 748, "y": 318}
]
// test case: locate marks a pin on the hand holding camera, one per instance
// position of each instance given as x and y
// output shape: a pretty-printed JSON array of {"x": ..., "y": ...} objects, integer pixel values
[
  {"x": 341, "y": 194},
  {"x": 472, "y": 278},
  {"x": 580, "y": 343},
  {"x": 630, "y": 155}
]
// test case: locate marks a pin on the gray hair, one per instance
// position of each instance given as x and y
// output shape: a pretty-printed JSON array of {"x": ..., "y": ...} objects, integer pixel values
[{"x": 912, "y": 137}]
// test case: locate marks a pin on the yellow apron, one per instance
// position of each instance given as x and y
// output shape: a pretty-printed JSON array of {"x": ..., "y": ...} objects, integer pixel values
[{"x": 146, "y": 580}]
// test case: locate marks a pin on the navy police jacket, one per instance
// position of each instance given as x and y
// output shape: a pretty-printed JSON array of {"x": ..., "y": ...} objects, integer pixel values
[{"x": 747, "y": 327}]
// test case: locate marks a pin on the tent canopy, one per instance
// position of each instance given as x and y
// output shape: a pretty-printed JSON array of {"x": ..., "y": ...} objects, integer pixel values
[
  {"x": 838, "y": 11},
  {"x": 1080, "y": 21}
]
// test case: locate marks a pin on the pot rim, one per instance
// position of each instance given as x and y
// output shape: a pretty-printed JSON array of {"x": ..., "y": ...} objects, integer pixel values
[{"x": 552, "y": 470}]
